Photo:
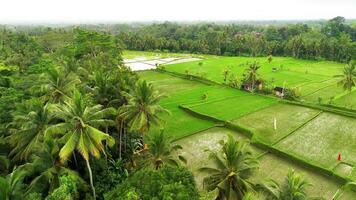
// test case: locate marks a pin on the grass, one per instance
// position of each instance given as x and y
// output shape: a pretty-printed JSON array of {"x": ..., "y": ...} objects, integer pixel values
[
  {"x": 322, "y": 139},
  {"x": 233, "y": 108},
  {"x": 288, "y": 118}
]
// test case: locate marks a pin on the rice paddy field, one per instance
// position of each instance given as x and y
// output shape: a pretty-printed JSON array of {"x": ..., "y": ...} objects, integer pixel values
[{"x": 314, "y": 136}]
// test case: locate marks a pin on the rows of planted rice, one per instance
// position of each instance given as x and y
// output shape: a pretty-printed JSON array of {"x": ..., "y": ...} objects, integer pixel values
[
  {"x": 233, "y": 108},
  {"x": 326, "y": 95},
  {"x": 178, "y": 123},
  {"x": 322, "y": 140},
  {"x": 313, "y": 81},
  {"x": 195, "y": 148},
  {"x": 314, "y": 86},
  {"x": 179, "y": 91},
  {"x": 306, "y": 133},
  {"x": 276, "y": 168},
  {"x": 348, "y": 100},
  {"x": 280, "y": 70},
  {"x": 277, "y": 121}
]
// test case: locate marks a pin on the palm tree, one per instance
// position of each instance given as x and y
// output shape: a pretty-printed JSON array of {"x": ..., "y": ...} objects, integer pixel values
[
  {"x": 348, "y": 80},
  {"x": 251, "y": 75},
  {"x": 47, "y": 170},
  {"x": 226, "y": 73},
  {"x": 293, "y": 188},
  {"x": 30, "y": 127},
  {"x": 340, "y": 191},
  {"x": 11, "y": 186},
  {"x": 142, "y": 108},
  {"x": 161, "y": 151},
  {"x": 231, "y": 171},
  {"x": 105, "y": 86},
  {"x": 59, "y": 85},
  {"x": 79, "y": 130}
]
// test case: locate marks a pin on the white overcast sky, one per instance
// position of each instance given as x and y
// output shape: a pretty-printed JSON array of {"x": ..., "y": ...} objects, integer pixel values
[{"x": 84, "y": 11}]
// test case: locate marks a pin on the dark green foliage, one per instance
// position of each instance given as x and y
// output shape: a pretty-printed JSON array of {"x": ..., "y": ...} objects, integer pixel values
[
  {"x": 108, "y": 174},
  {"x": 66, "y": 191},
  {"x": 335, "y": 40},
  {"x": 18, "y": 49},
  {"x": 166, "y": 183}
]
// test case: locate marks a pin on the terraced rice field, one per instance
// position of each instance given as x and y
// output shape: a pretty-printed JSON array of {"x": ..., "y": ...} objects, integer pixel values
[{"x": 308, "y": 134}]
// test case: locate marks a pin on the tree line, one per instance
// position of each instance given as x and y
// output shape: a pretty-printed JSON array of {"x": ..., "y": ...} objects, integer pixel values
[{"x": 333, "y": 40}]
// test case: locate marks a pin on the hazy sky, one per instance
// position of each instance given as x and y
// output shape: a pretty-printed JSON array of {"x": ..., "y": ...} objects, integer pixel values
[{"x": 74, "y": 11}]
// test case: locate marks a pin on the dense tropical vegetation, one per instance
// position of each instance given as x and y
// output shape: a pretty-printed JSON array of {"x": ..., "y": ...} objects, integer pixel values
[{"x": 76, "y": 123}]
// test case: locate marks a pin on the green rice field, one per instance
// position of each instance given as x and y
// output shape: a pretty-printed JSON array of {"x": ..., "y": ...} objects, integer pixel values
[{"x": 311, "y": 135}]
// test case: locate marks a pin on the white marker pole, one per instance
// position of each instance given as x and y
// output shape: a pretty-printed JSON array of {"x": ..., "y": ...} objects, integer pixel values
[{"x": 275, "y": 123}]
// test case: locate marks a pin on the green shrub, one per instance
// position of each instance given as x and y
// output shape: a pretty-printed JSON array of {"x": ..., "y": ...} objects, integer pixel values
[
  {"x": 66, "y": 191},
  {"x": 168, "y": 183}
]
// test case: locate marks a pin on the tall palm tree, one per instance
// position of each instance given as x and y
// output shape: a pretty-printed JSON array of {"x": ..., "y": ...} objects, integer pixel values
[
  {"x": 293, "y": 188},
  {"x": 348, "y": 80},
  {"x": 79, "y": 130},
  {"x": 252, "y": 75},
  {"x": 161, "y": 151},
  {"x": 11, "y": 186},
  {"x": 231, "y": 171},
  {"x": 29, "y": 127},
  {"x": 59, "y": 84},
  {"x": 142, "y": 108}
]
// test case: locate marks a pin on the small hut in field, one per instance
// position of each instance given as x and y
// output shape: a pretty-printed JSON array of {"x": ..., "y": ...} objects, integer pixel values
[
  {"x": 248, "y": 86},
  {"x": 279, "y": 91}
]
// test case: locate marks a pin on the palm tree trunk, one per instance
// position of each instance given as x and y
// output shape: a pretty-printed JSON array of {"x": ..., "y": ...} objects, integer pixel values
[
  {"x": 91, "y": 178},
  {"x": 120, "y": 138},
  {"x": 75, "y": 159}
]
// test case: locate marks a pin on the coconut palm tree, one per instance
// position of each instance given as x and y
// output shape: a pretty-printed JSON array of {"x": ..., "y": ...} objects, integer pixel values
[
  {"x": 292, "y": 188},
  {"x": 161, "y": 151},
  {"x": 11, "y": 186},
  {"x": 232, "y": 169},
  {"x": 104, "y": 87},
  {"x": 79, "y": 130},
  {"x": 251, "y": 75},
  {"x": 341, "y": 190},
  {"x": 348, "y": 78},
  {"x": 142, "y": 108},
  {"x": 28, "y": 128},
  {"x": 47, "y": 170},
  {"x": 225, "y": 74},
  {"x": 59, "y": 84}
]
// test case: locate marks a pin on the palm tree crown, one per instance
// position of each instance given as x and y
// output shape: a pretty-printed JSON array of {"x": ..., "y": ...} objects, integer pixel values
[
  {"x": 30, "y": 128},
  {"x": 232, "y": 170},
  {"x": 293, "y": 188},
  {"x": 142, "y": 109},
  {"x": 251, "y": 75},
  {"x": 348, "y": 80},
  {"x": 161, "y": 151},
  {"x": 59, "y": 85},
  {"x": 79, "y": 130}
]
